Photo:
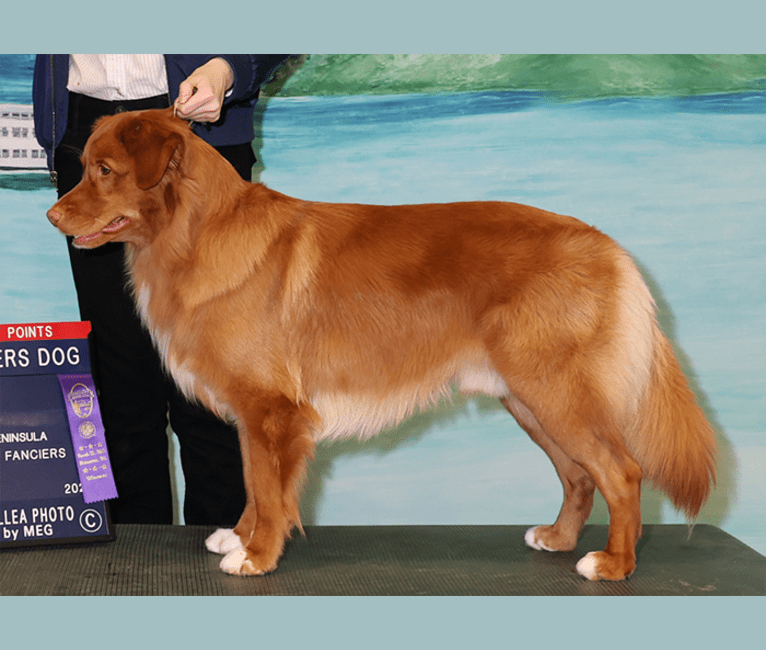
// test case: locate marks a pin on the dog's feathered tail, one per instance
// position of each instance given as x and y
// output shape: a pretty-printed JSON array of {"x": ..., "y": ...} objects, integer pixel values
[
  {"x": 665, "y": 430},
  {"x": 673, "y": 440}
]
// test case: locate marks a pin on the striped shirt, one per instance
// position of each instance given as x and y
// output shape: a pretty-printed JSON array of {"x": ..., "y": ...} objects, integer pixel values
[{"x": 117, "y": 77}]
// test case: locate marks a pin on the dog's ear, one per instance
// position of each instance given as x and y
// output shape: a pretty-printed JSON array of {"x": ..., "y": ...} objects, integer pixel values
[{"x": 151, "y": 148}]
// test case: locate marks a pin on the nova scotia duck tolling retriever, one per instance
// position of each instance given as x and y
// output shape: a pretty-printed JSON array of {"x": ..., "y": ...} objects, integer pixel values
[{"x": 301, "y": 321}]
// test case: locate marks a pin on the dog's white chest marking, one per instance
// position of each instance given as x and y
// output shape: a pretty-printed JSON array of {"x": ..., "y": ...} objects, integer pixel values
[{"x": 188, "y": 382}]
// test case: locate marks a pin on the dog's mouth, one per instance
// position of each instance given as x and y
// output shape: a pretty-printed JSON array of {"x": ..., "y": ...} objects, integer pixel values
[{"x": 112, "y": 227}]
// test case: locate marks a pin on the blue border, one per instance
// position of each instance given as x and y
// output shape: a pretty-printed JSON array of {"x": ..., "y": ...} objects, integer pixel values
[
  {"x": 385, "y": 622},
  {"x": 552, "y": 26}
]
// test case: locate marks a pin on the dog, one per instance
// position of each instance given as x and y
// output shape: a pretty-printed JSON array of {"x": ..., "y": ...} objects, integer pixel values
[{"x": 302, "y": 321}]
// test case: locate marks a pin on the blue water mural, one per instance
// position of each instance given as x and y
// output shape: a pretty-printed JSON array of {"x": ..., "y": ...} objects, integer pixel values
[
  {"x": 16, "y": 78},
  {"x": 678, "y": 180}
]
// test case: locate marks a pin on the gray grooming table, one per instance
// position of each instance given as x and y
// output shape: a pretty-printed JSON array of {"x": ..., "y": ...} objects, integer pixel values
[{"x": 385, "y": 560}]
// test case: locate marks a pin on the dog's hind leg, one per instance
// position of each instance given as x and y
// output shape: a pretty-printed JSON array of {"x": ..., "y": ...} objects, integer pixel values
[
  {"x": 577, "y": 483},
  {"x": 276, "y": 439},
  {"x": 586, "y": 447},
  {"x": 618, "y": 478}
]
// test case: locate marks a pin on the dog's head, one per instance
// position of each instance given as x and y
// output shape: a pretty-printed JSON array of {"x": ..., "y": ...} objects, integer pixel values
[{"x": 126, "y": 193}]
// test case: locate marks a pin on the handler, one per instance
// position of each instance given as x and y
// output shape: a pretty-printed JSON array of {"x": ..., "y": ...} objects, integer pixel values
[{"x": 218, "y": 93}]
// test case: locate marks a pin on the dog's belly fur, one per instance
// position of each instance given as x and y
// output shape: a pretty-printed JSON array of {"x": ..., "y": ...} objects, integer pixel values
[{"x": 353, "y": 414}]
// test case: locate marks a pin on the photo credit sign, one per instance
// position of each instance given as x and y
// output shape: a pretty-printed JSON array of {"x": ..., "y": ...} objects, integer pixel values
[{"x": 55, "y": 474}]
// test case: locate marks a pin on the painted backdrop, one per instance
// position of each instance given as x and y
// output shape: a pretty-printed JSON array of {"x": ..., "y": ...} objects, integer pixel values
[{"x": 664, "y": 153}]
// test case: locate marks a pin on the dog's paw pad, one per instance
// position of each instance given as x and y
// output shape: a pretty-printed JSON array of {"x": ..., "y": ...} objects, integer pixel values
[{"x": 223, "y": 541}]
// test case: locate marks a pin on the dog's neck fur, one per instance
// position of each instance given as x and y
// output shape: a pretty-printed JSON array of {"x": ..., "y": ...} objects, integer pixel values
[{"x": 193, "y": 242}]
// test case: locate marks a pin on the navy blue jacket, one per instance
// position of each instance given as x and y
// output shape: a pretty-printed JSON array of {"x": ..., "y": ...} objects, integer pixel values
[{"x": 235, "y": 126}]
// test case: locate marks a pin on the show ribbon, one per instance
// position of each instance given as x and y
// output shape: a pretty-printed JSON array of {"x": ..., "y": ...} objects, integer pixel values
[{"x": 88, "y": 440}]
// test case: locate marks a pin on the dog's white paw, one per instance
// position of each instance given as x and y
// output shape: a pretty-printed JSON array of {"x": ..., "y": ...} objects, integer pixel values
[
  {"x": 223, "y": 541},
  {"x": 237, "y": 563},
  {"x": 531, "y": 539},
  {"x": 587, "y": 566},
  {"x": 232, "y": 562}
]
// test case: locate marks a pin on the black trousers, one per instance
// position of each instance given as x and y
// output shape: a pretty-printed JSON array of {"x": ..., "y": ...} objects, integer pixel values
[{"x": 135, "y": 394}]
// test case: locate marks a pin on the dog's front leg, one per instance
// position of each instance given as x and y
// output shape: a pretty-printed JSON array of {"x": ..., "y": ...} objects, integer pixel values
[{"x": 276, "y": 440}]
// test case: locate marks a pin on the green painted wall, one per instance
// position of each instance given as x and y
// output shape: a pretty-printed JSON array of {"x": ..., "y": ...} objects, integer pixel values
[{"x": 568, "y": 76}]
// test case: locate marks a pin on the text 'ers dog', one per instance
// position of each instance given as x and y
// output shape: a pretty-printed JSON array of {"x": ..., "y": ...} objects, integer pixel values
[{"x": 302, "y": 321}]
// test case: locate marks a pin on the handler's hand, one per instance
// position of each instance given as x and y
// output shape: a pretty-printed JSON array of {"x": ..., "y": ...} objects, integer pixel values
[{"x": 200, "y": 95}]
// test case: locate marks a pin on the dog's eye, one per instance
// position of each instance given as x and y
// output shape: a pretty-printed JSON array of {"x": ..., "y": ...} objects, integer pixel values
[{"x": 105, "y": 171}]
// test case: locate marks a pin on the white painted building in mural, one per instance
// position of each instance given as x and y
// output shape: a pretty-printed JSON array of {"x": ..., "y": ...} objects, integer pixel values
[{"x": 19, "y": 150}]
